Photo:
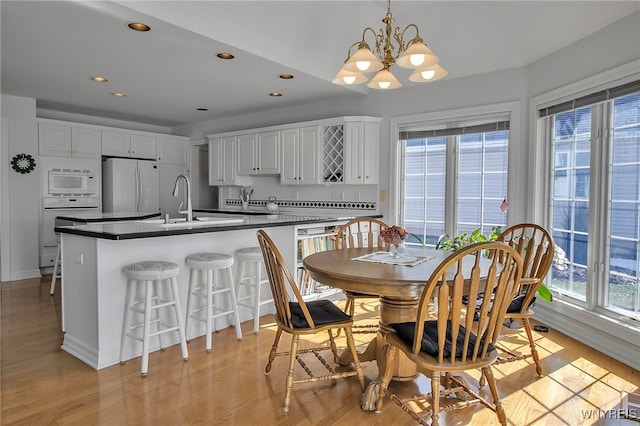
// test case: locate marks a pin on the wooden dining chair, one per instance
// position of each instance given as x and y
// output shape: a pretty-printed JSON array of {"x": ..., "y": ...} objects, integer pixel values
[
  {"x": 535, "y": 246},
  {"x": 299, "y": 318},
  {"x": 360, "y": 232},
  {"x": 430, "y": 341}
]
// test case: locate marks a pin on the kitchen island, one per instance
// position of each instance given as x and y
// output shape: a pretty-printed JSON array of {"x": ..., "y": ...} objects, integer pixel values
[{"x": 94, "y": 284}]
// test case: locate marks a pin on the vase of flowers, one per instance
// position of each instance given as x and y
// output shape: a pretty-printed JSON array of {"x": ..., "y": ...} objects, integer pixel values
[{"x": 394, "y": 236}]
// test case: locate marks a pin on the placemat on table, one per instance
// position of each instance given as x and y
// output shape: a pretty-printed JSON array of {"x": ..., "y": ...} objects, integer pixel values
[{"x": 385, "y": 257}]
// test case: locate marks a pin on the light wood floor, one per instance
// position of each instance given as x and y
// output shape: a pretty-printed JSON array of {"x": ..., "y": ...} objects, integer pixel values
[{"x": 43, "y": 385}]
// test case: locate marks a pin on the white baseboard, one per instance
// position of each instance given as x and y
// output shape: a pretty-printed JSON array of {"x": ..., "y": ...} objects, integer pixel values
[{"x": 25, "y": 275}]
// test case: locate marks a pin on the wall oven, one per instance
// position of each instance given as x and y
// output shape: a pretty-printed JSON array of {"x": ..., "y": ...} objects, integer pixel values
[{"x": 71, "y": 182}]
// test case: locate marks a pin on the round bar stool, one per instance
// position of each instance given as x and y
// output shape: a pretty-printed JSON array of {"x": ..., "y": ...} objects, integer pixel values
[
  {"x": 217, "y": 280},
  {"x": 153, "y": 274},
  {"x": 252, "y": 279}
]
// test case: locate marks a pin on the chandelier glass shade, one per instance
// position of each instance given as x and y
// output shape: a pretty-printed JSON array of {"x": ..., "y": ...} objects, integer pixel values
[{"x": 414, "y": 54}]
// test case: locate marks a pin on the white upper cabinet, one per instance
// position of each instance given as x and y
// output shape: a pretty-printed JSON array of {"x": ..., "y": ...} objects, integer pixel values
[
  {"x": 362, "y": 152},
  {"x": 222, "y": 163},
  {"x": 259, "y": 153},
  {"x": 172, "y": 150},
  {"x": 121, "y": 144},
  {"x": 299, "y": 156},
  {"x": 334, "y": 151},
  {"x": 68, "y": 141}
]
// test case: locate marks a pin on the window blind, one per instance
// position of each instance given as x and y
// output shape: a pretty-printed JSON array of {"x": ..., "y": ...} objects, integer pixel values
[
  {"x": 454, "y": 131},
  {"x": 590, "y": 99}
]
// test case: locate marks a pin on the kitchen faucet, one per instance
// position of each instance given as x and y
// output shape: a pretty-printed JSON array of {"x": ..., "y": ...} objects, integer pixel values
[{"x": 188, "y": 211}]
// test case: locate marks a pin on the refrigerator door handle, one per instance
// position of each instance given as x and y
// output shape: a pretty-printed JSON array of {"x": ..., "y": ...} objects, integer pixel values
[{"x": 138, "y": 195}]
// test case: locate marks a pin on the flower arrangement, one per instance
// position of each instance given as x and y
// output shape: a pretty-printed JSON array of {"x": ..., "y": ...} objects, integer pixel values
[
  {"x": 393, "y": 234},
  {"x": 245, "y": 194}
]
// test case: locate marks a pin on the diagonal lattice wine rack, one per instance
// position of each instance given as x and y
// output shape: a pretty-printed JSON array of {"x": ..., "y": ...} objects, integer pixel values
[{"x": 333, "y": 154}]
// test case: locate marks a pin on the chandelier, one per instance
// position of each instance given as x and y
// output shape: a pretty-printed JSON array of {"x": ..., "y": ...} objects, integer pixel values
[{"x": 414, "y": 54}]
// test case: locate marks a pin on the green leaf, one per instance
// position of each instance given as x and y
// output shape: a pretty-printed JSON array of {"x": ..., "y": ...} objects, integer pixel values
[{"x": 544, "y": 293}]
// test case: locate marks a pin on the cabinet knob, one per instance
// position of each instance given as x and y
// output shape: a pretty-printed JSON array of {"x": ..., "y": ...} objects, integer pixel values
[
  {"x": 366, "y": 177},
  {"x": 68, "y": 152}
]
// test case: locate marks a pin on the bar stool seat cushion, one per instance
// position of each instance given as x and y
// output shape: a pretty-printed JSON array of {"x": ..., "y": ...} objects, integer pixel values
[
  {"x": 209, "y": 261},
  {"x": 150, "y": 270},
  {"x": 322, "y": 312},
  {"x": 250, "y": 253}
]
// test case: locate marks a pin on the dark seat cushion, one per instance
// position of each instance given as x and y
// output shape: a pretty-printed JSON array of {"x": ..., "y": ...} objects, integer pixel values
[
  {"x": 429, "y": 341},
  {"x": 516, "y": 303},
  {"x": 514, "y": 306},
  {"x": 322, "y": 311}
]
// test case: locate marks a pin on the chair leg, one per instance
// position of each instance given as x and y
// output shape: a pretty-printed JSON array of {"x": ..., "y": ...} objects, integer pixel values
[
  {"x": 146, "y": 327},
  {"x": 351, "y": 344},
  {"x": 435, "y": 398},
  {"x": 292, "y": 363},
  {"x": 52, "y": 290},
  {"x": 208, "y": 338},
  {"x": 534, "y": 352},
  {"x": 178, "y": 311},
  {"x": 187, "y": 324},
  {"x": 272, "y": 354},
  {"x": 334, "y": 348},
  {"x": 256, "y": 316},
  {"x": 234, "y": 304},
  {"x": 488, "y": 373},
  {"x": 387, "y": 357}
]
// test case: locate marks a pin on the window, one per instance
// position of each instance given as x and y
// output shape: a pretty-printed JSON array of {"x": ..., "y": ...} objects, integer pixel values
[
  {"x": 594, "y": 204},
  {"x": 453, "y": 177}
]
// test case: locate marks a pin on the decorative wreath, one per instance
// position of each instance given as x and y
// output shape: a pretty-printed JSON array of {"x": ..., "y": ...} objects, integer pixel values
[{"x": 23, "y": 163}]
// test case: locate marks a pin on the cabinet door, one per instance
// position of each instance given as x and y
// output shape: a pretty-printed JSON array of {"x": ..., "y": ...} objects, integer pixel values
[
  {"x": 143, "y": 146},
  {"x": 353, "y": 153},
  {"x": 228, "y": 156},
  {"x": 371, "y": 156},
  {"x": 116, "y": 143},
  {"x": 85, "y": 143},
  {"x": 172, "y": 150},
  {"x": 308, "y": 156},
  {"x": 247, "y": 160},
  {"x": 216, "y": 169},
  {"x": 290, "y": 156},
  {"x": 268, "y": 153},
  {"x": 54, "y": 140}
]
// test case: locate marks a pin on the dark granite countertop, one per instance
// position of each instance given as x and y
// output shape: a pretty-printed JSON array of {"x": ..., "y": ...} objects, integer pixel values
[
  {"x": 91, "y": 217},
  {"x": 141, "y": 229}
]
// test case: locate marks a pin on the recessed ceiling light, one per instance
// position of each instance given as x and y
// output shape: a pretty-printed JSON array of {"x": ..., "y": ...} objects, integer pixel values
[
  {"x": 118, "y": 94},
  {"x": 202, "y": 109},
  {"x": 225, "y": 55},
  {"x": 139, "y": 26},
  {"x": 99, "y": 79},
  {"x": 286, "y": 76},
  {"x": 275, "y": 94}
]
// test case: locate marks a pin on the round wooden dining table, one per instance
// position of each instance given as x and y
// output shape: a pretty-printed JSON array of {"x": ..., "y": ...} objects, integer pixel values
[{"x": 399, "y": 288}]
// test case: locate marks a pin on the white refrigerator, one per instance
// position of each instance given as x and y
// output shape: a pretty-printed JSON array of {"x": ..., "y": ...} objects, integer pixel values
[{"x": 130, "y": 185}]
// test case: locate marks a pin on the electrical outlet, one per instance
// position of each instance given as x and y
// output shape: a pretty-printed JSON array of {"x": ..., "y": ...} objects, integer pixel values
[{"x": 383, "y": 196}]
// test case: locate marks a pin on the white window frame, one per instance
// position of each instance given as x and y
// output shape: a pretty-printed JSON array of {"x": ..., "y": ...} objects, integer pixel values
[
  {"x": 604, "y": 330},
  {"x": 517, "y": 160}
]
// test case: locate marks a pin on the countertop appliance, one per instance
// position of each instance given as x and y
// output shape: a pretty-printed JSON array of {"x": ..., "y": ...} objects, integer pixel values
[
  {"x": 130, "y": 185},
  {"x": 75, "y": 182}
]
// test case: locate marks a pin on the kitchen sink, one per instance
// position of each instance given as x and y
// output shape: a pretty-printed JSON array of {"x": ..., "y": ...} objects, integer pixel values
[{"x": 182, "y": 222}]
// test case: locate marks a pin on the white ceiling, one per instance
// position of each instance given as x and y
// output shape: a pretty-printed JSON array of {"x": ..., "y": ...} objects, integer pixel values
[{"x": 50, "y": 49}]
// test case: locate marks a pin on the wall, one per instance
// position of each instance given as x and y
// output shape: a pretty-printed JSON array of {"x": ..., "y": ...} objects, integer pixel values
[
  {"x": 23, "y": 210},
  {"x": 502, "y": 86}
]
